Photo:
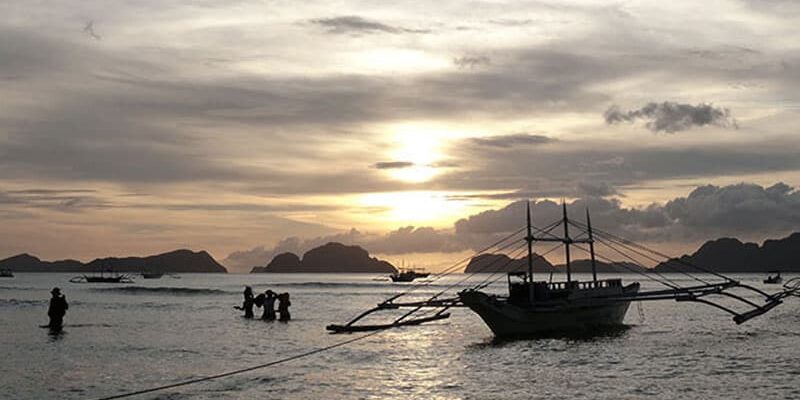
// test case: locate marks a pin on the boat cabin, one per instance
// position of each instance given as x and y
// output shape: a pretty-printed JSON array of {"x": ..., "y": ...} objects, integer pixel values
[{"x": 519, "y": 289}]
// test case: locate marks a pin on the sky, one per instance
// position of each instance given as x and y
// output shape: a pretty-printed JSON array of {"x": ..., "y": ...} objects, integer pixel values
[{"x": 414, "y": 129}]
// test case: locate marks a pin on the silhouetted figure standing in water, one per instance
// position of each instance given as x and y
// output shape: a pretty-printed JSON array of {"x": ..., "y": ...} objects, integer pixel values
[
  {"x": 269, "y": 306},
  {"x": 58, "y": 308},
  {"x": 283, "y": 307},
  {"x": 248, "y": 303}
]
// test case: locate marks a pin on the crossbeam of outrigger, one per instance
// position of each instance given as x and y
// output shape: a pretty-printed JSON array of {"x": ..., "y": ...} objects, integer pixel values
[{"x": 540, "y": 302}]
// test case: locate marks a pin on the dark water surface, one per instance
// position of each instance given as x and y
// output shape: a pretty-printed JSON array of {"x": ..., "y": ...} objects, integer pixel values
[{"x": 122, "y": 338}]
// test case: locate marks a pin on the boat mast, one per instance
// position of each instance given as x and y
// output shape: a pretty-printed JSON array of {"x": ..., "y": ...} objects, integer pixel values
[
  {"x": 567, "y": 241},
  {"x": 591, "y": 247},
  {"x": 530, "y": 239}
]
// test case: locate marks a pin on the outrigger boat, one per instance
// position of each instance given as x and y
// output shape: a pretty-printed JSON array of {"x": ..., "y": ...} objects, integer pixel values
[
  {"x": 102, "y": 278},
  {"x": 539, "y": 307},
  {"x": 152, "y": 275},
  {"x": 408, "y": 275},
  {"x": 774, "y": 279}
]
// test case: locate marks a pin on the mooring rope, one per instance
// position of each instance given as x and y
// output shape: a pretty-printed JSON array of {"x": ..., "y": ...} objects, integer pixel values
[{"x": 243, "y": 370}]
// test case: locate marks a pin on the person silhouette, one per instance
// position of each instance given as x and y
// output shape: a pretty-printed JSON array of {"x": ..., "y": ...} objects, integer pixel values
[
  {"x": 269, "y": 306},
  {"x": 247, "y": 304},
  {"x": 283, "y": 307},
  {"x": 57, "y": 310}
]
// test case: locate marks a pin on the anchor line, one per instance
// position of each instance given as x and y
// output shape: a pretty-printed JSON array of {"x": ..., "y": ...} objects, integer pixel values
[{"x": 243, "y": 370}]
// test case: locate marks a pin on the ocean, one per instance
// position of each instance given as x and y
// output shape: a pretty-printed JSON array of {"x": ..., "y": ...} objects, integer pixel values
[{"x": 126, "y": 337}]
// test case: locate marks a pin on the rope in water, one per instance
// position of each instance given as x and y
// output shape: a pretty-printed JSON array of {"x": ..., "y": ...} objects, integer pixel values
[{"x": 243, "y": 370}]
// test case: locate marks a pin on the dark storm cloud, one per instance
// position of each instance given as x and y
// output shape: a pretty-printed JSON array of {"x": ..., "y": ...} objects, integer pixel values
[
  {"x": 393, "y": 165},
  {"x": 470, "y": 62},
  {"x": 673, "y": 117},
  {"x": 354, "y": 24},
  {"x": 519, "y": 139}
]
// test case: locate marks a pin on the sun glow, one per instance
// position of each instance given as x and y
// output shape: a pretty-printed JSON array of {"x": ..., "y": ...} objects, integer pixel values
[
  {"x": 420, "y": 148},
  {"x": 416, "y": 207}
]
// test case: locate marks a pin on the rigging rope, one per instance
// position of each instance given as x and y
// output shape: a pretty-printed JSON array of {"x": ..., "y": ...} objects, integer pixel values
[
  {"x": 669, "y": 283},
  {"x": 635, "y": 270},
  {"x": 243, "y": 370},
  {"x": 538, "y": 256},
  {"x": 658, "y": 253}
]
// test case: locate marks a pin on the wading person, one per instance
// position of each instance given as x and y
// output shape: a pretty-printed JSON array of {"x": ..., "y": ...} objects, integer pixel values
[
  {"x": 57, "y": 310},
  {"x": 269, "y": 306},
  {"x": 283, "y": 307},
  {"x": 248, "y": 303}
]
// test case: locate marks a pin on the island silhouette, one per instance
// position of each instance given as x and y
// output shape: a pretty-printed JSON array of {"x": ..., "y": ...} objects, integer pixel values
[
  {"x": 178, "y": 261},
  {"x": 733, "y": 255},
  {"x": 329, "y": 258}
]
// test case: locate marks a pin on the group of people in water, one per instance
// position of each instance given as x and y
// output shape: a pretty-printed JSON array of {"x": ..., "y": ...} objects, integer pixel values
[
  {"x": 59, "y": 306},
  {"x": 266, "y": 301}
]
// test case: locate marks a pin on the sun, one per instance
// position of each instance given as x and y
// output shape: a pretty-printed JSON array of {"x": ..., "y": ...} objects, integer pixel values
[{"x": 419, "y": 148}]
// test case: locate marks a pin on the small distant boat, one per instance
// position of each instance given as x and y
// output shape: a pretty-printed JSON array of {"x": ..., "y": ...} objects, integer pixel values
[
  {"x": 408, "y": 275},
  {"x": 102, "y": 278},
  {"x": 6, "y": 273},
  {"x": 152, "y": 275},
  {"x": 774, "y": 279}
]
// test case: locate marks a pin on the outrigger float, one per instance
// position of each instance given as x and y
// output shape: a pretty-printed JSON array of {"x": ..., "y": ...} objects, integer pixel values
[{"x": 533, "y": 308}]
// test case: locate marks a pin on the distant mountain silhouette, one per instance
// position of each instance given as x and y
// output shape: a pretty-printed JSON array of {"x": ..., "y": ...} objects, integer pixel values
[
  {"x": 585, "y": 266},
  {"x": 331, "y": 257},
  {"x": 503, "y": 264},
  {"x": 731, "y": 255},
  {"x": 174, "y": 261}
]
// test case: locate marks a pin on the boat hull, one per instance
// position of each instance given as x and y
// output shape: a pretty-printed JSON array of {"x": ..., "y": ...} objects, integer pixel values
[{"x": 510, "y": 321}]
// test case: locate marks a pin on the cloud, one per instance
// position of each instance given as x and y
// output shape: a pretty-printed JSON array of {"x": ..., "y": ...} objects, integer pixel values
[
  {"x": 89, "y": 30},
  {"x": 393, "y": 164},
  {"x": 66, "y": 200},
  {"x": 737, "y": 209},
  {"x": 354, "y": 24},
  {"x": 470, "y": 62},
  {"x": 673, "y": 117},
  {"x": 596, "y": 189},
  {"x": 519, "y": 139},
  {"x": 708, "y": 212}
]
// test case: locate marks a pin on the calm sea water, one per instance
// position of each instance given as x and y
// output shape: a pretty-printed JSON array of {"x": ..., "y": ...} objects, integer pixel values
[{"x": 121, "y": 338}]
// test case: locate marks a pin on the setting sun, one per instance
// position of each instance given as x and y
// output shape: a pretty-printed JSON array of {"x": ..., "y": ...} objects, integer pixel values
[
  {"x": 419, "y": 147},
  {"x": 430, "y": 208}
]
